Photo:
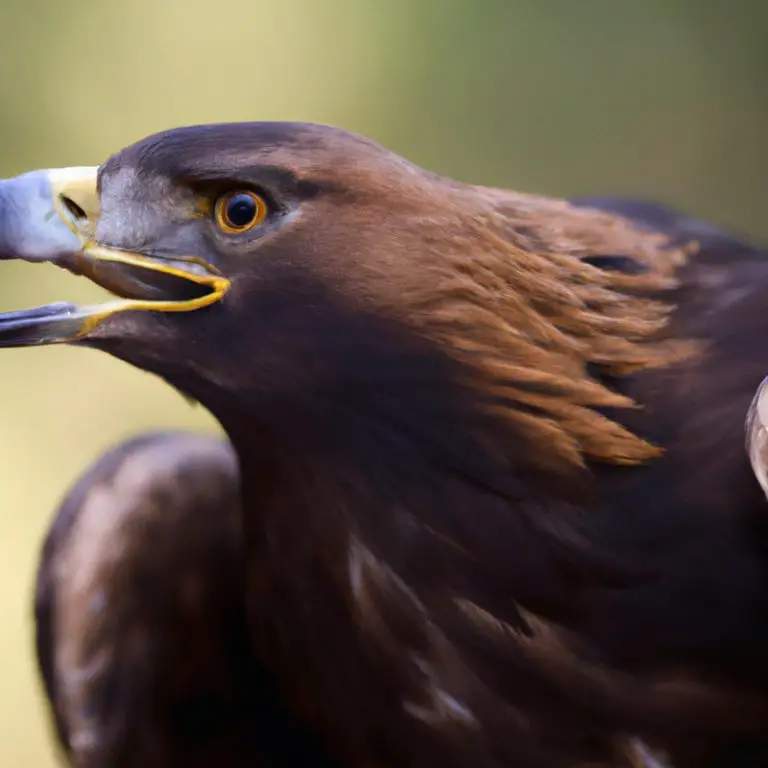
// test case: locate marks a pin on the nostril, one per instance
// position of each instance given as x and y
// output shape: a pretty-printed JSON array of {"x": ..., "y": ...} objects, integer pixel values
[{"x": 74, "y": 209}]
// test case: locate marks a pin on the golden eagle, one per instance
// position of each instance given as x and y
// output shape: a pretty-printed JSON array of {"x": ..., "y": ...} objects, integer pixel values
[{"x": 488, "y": 464}]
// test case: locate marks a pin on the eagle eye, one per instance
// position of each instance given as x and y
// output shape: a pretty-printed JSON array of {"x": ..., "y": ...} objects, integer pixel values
[{"x": 237, "y": 212}]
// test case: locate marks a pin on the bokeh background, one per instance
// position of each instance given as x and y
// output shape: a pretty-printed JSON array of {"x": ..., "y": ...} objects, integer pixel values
[{"x": 662, "y": 98}]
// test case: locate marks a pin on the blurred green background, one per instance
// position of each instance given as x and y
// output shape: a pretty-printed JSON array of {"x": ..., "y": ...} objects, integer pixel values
[{"x": 662, "y": 98}]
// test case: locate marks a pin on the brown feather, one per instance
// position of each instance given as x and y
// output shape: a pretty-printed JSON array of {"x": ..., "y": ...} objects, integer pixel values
[
  {"x": 141, "y": 634},
  {"x": 509, "y": 294}
]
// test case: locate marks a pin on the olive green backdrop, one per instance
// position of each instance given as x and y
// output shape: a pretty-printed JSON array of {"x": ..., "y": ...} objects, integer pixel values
[{"x": 662, "y": 98}]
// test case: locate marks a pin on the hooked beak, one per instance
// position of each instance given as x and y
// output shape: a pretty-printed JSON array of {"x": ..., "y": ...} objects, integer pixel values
[{"x": 51, "y": 216}]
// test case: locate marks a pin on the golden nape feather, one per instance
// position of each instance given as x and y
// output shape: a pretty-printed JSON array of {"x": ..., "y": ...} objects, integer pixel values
[
  {"x": 512, "y": 294},
  {"x": 494, "y": 500}
]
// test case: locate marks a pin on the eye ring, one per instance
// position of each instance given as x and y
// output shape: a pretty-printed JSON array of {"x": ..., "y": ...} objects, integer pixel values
[{"x": 239, "y": 211}]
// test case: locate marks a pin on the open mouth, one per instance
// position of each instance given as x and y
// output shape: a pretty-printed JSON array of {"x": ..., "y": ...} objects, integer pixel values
[
  {"x": 50, "y": 216},
  {"x": 160, "y": 283}
]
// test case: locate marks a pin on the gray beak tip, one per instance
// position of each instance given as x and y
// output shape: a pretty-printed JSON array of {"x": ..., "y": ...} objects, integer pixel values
[{"x": 35, "y": 224}]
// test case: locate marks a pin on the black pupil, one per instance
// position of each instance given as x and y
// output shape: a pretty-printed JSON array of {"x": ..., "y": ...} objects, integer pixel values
[{"x": 241, "y": 210}]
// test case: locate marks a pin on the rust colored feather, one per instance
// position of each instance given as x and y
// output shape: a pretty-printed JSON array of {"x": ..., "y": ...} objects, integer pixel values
[{"x": 511, "y": 296}]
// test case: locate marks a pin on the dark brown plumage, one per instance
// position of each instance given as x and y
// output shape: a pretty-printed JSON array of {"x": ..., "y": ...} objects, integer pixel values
[
  {"x": 141, "y": 634},
  {"x": 495, "y": 500}
]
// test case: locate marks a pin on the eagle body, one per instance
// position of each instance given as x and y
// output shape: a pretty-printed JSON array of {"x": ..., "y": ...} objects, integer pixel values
[
  {"x": 495, "y": 503},
  {"x": 697, "y": 512}
]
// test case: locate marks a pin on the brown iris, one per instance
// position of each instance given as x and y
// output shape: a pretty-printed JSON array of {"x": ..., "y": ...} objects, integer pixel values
[{"x": 237, "y": 212}]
